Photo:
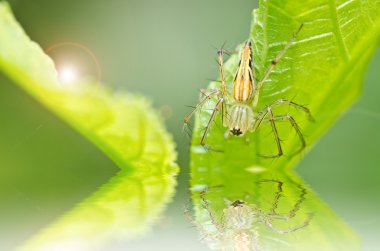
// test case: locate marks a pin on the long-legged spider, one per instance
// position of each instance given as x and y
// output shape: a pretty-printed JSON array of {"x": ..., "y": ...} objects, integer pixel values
[
  {"x": 237, "y": 227},
  {"x": 241, "y": 104}
]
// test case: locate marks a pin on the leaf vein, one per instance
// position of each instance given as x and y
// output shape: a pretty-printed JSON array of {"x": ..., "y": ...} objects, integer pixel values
[
  {"x": 315, "y": 37},
  {"x": 318, "y": 8},
  {"x": 345, "y": 4},
  {"x": 337, "y": 31}
]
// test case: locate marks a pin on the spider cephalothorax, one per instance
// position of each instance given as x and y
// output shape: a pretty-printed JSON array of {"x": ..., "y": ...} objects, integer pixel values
[{"x": 240, "y": 119}]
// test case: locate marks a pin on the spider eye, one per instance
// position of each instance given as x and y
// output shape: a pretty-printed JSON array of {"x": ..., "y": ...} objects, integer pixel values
[
  {"x": 237, "y": 203},
  {"x": 236, "y": 131}
]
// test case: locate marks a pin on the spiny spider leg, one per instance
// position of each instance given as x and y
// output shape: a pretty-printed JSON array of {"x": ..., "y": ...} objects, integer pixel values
[
  {"x": 225, "y": 92},
  {"x": 222, "y": 93},
  {"x": 200, "y": 105},
  {"x": 291, "y": 103},
  {"x": 205, "y": 97},
  {"x": 229, "y": 52},
  {"x": 203, "y": 92},
  {"x": 276, "y": 137},
  {"x": 296, "y": 128},
  {"x": 273, "y": 64},
  {"x": 272, "y": 119},
  {"x": 224, "y": 114},
  {"x": 212, "y": 118}
]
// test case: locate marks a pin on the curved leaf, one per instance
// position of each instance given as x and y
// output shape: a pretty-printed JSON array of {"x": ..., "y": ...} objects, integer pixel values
[
  {"x": 120, "y": 124},
  {"x": 123, "y": 126}
]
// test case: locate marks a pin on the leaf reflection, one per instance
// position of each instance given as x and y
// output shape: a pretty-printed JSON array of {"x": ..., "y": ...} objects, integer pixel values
[
  {"x": 258, "y": 209},
  {"x": 121, "y": 210}
]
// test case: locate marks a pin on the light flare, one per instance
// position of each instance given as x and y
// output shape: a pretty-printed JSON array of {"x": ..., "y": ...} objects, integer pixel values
[{"x": 67, "y": 74}]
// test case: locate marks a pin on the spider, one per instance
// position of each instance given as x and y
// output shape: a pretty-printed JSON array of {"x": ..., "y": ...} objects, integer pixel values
[
  {"x": 239, "y": 221},
  {"x": 242, "y": 102}
]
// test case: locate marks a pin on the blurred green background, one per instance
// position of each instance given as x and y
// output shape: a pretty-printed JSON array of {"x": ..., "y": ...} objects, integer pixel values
[{"x": 164, "y": 49}]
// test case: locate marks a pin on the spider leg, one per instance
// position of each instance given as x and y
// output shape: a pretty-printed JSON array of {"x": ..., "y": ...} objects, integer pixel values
[
  {"x": 229, "y": 52},
  {"x": 203, "y": 92},
  {"x": 206, "y": 98},
  {"x": 272, "y": 119},
  {"x": 296, "y": 128},
  {"x": 273, "y": 64},
  {"x": 224, "y": 114},
  {"x": 212, "y": 118},
  {"x": 298, "y": 106},
  {"x": 222, "y": 93},
  {"x": 222, "y": 75}
]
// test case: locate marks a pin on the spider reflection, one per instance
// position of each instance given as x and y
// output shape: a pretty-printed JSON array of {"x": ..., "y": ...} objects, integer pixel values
[{"x": 237, "y": 226}]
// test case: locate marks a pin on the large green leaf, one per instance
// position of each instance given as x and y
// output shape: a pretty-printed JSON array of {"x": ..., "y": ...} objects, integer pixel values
[
  {"x": 123, "y": 126},
  {"x": 323, "y": 70}
]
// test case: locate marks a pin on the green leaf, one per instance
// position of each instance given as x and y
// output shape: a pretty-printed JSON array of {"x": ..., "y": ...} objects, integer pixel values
[
  {"x": 123, "y": 126},
  {"x": 323, "y": 70}
]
